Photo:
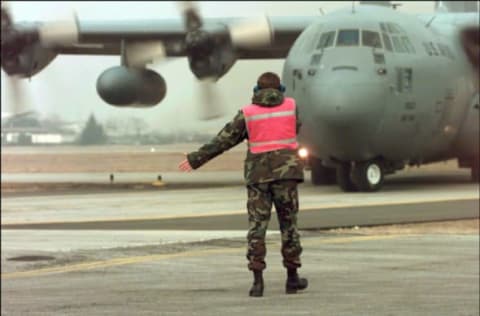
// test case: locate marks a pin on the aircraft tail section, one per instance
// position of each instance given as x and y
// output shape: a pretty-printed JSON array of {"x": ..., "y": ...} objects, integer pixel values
[{"x": 457, "y": 6}]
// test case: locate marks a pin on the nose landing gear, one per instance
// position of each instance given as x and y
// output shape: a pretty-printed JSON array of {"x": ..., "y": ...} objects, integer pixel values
[
  {"x": 368, "y": 176},
  {"x": 364, "y": 176}
]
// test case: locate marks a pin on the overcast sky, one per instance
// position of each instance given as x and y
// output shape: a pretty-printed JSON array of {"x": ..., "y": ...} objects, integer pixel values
[{"x": 67, "y": 86}]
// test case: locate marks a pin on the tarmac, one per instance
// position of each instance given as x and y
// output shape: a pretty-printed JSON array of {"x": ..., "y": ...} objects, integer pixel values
[
  {"x": 179, "y": 249},
  {"x": 349, "y": 274}
]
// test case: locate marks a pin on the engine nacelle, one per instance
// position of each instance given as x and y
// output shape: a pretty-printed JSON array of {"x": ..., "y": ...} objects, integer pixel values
[
  {"x": 28, "y": 62},
  {"x": 131, "y": 87},
  {"x": 211, "y": 58}
]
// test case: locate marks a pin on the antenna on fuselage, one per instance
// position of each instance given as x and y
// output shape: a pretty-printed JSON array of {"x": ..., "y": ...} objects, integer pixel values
[
  {"x": 353, "y": 6},
  {"x": 430, "y": 22},
  {"x": 395, "y": 5},
  {"x": 321, "y": 11}
]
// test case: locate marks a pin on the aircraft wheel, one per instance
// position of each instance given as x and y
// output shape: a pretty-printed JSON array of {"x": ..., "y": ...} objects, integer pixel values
[
  {"x": 475, "y": 171},
  {"x": 321, "y": 175},
  {"x": 368, "y": 176},
  {"x": 344, "y": 179}
]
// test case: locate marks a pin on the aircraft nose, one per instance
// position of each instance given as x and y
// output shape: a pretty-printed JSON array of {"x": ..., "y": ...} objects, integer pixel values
[{"x": 344, "y": 98}]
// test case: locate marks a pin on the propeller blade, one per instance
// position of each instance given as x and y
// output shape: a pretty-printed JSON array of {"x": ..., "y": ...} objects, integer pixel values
[
  {"x": 190, "y": 14},
  {"x": 60, "y": 32},
  {"x": 251, "y": 33},
  {"x": 211, "y": 105},
  {"x": 6, "y": 15},
  {"x": 18, "y": 99}
]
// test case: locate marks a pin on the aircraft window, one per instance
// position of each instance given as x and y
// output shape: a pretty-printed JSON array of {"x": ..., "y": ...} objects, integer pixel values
[
  {"x": 348, "y": 38},
  {"x": 315, "y": 60},
  {"x": 449, "y": 52},
  {"x": 427, "y": 49},
  {"x": 371, "y": 39},
  {"x": 434, "y": 50},
  {"x": 383, "y": 27},
  {"x": 326, "y": 40},
  {"x": 408, "y": 44},
  {"x": 441, "y": 48},
  {"x": 400, "y": 29},
  {"x": 388, "y": 43},
  {"x": 404, "y": 79},
  {"x": 391, "y": 28},
  {"x": 445, "y": 50},
  {"x": 399, "y": 47}
]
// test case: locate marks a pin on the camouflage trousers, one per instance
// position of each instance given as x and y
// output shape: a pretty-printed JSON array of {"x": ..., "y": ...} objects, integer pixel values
[{"x": 284, "y": 195}]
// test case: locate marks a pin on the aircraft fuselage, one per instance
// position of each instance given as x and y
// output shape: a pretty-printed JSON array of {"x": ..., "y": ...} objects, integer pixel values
[{"x": 376, "y": 84}]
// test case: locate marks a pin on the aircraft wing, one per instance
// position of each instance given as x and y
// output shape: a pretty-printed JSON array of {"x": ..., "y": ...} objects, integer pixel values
[{"x": 104, "y": 38}]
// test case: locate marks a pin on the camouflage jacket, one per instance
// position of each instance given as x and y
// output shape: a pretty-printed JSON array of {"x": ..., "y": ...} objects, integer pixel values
[{"x": 259, "y": 168}]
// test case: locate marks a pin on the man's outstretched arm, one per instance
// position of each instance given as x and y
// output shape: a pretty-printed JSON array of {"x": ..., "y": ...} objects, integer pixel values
[{"x": 232, "y": 134}]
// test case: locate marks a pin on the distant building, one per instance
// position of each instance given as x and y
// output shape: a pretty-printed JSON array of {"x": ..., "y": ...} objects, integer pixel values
[{"x": 28, "y": 129}]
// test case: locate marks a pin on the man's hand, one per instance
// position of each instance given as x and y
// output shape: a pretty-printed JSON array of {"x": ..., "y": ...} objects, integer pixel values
[{"x": 185, "y": 166}]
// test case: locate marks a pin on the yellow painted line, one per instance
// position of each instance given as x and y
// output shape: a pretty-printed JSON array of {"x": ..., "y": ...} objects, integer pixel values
[
  {"x": 235, "y": 212},
  {"x": 140, "y": 259}
]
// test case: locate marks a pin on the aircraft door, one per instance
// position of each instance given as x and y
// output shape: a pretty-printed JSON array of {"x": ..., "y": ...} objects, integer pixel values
[{"x": 407, "y": 124}]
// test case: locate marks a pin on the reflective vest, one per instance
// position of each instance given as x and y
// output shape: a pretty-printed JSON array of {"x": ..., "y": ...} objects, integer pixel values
[{"x": 271, "y": 128}]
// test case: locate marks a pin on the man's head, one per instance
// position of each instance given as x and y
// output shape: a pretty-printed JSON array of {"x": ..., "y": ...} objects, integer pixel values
[{"x": 269, "y": 80}]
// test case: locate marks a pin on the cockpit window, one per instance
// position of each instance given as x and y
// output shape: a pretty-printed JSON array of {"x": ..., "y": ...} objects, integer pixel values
[
  {"x": 326, "y": 40},
  {"x": 371, "y": 39},
  {"x": 398, "y": 45},
  {"x": 383, "y": 27},
  {"x": 445, "y": 50},
  {"x": 408, "y": 45},
  {"x": 427, "y": 49},
  {"x": 348, "y": 38},
  {"x": 434, "y": 50},
  {"x": 392, "y": 28},
  {"x": 388, "y": 43}
]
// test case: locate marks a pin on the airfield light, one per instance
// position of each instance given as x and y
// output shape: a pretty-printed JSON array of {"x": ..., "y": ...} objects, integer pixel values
[{"x": 303, "y": 153}]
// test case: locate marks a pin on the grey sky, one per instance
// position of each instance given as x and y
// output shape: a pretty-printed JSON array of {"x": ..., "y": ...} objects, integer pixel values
[{"x": 67, "y": 86}]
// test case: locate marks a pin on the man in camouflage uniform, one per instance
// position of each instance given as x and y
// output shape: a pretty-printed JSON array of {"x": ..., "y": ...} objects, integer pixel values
[{"x": 271, "y": 177}]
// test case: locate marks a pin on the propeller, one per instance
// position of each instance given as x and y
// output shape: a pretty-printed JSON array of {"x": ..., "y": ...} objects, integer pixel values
[
  {"x": 63, "y": 31},
  {"x": 199, "y": 44},
  {"x": 15, "y": 39},
  {"x": 17, "y": 104}
]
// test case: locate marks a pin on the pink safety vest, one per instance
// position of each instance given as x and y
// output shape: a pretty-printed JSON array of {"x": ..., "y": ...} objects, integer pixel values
[{"x": 271, "y": 128}]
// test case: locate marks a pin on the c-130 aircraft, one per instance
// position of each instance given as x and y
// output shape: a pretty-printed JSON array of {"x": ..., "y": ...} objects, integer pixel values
[{"x": 377, "y": 89}]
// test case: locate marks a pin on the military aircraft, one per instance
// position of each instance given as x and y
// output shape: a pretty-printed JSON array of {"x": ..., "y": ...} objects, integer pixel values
[{"x": 377, "y": 89}]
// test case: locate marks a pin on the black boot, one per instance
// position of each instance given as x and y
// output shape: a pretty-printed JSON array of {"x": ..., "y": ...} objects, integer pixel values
[
  {"x": 257, "y": 287},
  {"x": 295, "y": 283}
]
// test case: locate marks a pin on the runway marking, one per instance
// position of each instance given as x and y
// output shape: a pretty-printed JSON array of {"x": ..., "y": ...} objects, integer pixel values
[
  {"x": 140, "y": 259},
  {"x": 236, "y": 212}
]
